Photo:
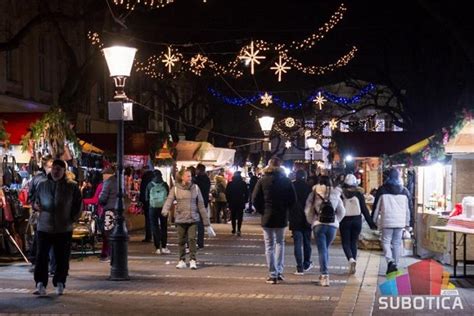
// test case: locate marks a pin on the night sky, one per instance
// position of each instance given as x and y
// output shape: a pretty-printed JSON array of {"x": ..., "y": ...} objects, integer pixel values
[{"x": 420, "y": 48}]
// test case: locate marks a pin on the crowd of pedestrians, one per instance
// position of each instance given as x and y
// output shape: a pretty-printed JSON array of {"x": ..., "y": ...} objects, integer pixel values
[{"x": 310, "y": 206}]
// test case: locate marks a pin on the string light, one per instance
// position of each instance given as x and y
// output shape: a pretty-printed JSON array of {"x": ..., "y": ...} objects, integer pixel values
[
  {"x": 346, "y": 101},
  {"x": 151, "y": 4}
]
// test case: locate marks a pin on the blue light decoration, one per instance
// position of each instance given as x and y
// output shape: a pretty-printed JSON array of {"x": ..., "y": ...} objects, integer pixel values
[{"x": 343, "y": 101}]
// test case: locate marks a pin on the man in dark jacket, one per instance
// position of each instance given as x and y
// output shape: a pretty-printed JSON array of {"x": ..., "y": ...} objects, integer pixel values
[
  {"x": 252, "y": 182},
  {"x": 236, "y": 194},
  {"x": 299, "y": 225},
  {"x": 204, "y": 184},
  {"x": 158, "y": 222},
  {"x": 146, "y": 178},
  {"x": 273, "y": 197},
  {"x": 59, "y": 203}
]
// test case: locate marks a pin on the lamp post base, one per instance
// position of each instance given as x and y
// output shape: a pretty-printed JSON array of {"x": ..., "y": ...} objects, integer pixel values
[{"x": 119, "y": 258}]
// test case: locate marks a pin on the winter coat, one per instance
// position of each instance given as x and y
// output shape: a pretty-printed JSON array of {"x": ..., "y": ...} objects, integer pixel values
[
  {"x": 273, "y": 197},
  {"x": 297, "y": 216},
  {"x": 219, "y": 190},
  {"x": 146, "y": 179},
  {"x": 60, "y": 205},
  {"x": 108, "y": 195},
  {"x": 190, "y": 204},
  {"x": 34, "y": 183},
  {"x": 392, "y": 202},
  {"x": 237, "y": 193},
  {"x": 313, "y": 203},
  {"x": 351, "y": 192},
  {"x": 204, "y": 184},
  {"x": 253, "y": 181},
  {"x": 95, "y": 200}
]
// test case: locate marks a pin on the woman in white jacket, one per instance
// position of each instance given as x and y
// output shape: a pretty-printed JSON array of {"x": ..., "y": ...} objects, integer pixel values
[{"x": 324, "y": 210}]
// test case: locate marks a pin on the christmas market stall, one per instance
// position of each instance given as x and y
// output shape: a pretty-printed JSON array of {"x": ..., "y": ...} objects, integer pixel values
[{"x": 438, "y": 170}]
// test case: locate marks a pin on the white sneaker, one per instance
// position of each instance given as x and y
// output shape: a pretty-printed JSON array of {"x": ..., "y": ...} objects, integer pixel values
[
  {"x": 324, "y": 280},
  {"x": 352, "y": 266},
  {"x": 158, "y": 252},
  {"x": 40, "y": 289},
  {"x": 192, "y": 264},
  {"x": 181, "y": 265},
  {"x": 298, "y": 273},
  {"x": 60, "y": 288},
  {"x": 165, "y": 251}
]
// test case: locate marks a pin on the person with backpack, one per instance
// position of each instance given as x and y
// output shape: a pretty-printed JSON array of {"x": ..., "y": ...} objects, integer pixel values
[
  {"x": 188, "y": 211},
  {"x": 351, "y": 225},
  {"x": 324, "y": 210},
  {"x": 392, "y": 203},
  {"x": 237, "y": 194},
  {"x": 156, "y": 193},
  {"x": 273, "y": 197},
  {"x": 299, "y": 226}
]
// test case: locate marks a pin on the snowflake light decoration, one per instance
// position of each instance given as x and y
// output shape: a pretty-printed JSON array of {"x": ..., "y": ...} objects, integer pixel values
[
  {"x": 288, "y": 144},
  {"x": 319, "y": 100},
  {"x": 280, "y": 68},
  {"x": 333, "y": 124},
  {"x": 251, "y": 57},
  {"x": 289, "y": 122},
  {"x": 170, "y": 60},
  {"x": 198, "y": 63},
  {"x": 266, "y": 99}
]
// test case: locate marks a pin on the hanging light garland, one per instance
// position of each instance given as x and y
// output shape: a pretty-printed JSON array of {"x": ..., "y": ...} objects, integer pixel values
[
  {"x": 252, "y": 54},
  {"x": 327, "y": 96}
]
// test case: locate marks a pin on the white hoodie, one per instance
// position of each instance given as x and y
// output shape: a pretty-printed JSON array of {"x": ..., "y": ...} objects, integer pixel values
[{"x": 313, "y": 203}]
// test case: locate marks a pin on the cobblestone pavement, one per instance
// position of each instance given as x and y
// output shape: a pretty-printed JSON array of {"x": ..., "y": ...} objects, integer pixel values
[{"x": 230, "y": 280}]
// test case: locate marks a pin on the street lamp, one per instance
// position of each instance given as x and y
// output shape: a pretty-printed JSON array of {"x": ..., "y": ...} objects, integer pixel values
[
  {"x": 311, "y": 144},
  {"x": 266, "y": 123},
  {"x": 119, "y": 60}
]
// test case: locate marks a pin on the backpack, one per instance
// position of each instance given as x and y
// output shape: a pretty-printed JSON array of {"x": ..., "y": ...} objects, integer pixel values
[
  {"x": 352, "y": 206},
  {"x": 327, "y": 214},
  {"x": 158, "y": 195}
]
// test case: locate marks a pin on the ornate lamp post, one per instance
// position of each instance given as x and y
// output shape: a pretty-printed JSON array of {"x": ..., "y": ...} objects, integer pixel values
[
  {"x": 311, "y": 145},
  {"x": 119, "y": 61},
  {"x": 266, "y": 123}
]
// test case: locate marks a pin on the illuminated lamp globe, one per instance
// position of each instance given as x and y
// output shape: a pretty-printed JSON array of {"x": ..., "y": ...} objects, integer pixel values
[{"x": 266, "y": 123}]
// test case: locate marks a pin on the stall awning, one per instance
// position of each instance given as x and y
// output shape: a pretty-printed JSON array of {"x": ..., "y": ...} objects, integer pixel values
[
  {"x": 17, "y": 124},
  {"x": 418, "y": 146},
  {"x": 189, "y": 153},
  {"x": 89, "y": 148},
  {"x": 463, "y": 142},
  {"x": 134, "y": 143}
]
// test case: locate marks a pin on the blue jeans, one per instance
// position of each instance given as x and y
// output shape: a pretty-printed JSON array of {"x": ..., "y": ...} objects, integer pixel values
[
  {"x": 324, "y": 235},
  {"x": 392, "y": 244},
  {"x": 274, "y": 250},
  {"x": 302, "y": 241}
]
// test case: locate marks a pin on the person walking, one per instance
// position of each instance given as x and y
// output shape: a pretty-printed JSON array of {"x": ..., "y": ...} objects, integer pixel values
[
  {"x": 145, "y": 180},
  {"x": 108, "y": 201},
  {"x": 189, "y": 206},
  {"x": 39, "y": 177},
  {"x": 324, "y": 210},
  {"x": 273, "y": 197},
  {"x": 156, "y": 194},
  {"x": 220, "y": 199},
  {"x": 204, "y": 184},
  {"x": 299, "y": 226},
  {"x": 252, "y": 182},
  {"x": 58, "y": 201},
  {"x": 351, "y": 225},
  {"x": 392, "y": 203},
  {"x": 236, "y": 194}
]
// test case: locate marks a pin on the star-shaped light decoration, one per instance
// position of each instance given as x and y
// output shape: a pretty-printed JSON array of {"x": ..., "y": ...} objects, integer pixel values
[
  {"x": 280, "y": 68},
  {"x": 333, "y": 124},
  {"x": 289, "y": 122},
  {"x": 251, "y": 57},
  {"x": 288, "y": 144},
  {"x": 319, "y": 100},
  {"x": 170, "y": 59},
  {"x": 266, "y": 99},
  {"x": 198, "y": 63}
]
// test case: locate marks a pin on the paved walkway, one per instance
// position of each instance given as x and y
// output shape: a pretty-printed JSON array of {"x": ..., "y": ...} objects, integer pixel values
[{"x": 230, "y": 280}]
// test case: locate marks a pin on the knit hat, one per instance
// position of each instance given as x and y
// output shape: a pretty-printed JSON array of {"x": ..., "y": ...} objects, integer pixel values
[
  {"x": 60, "y": 163},
  {"x": 350, "y": 180}
]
